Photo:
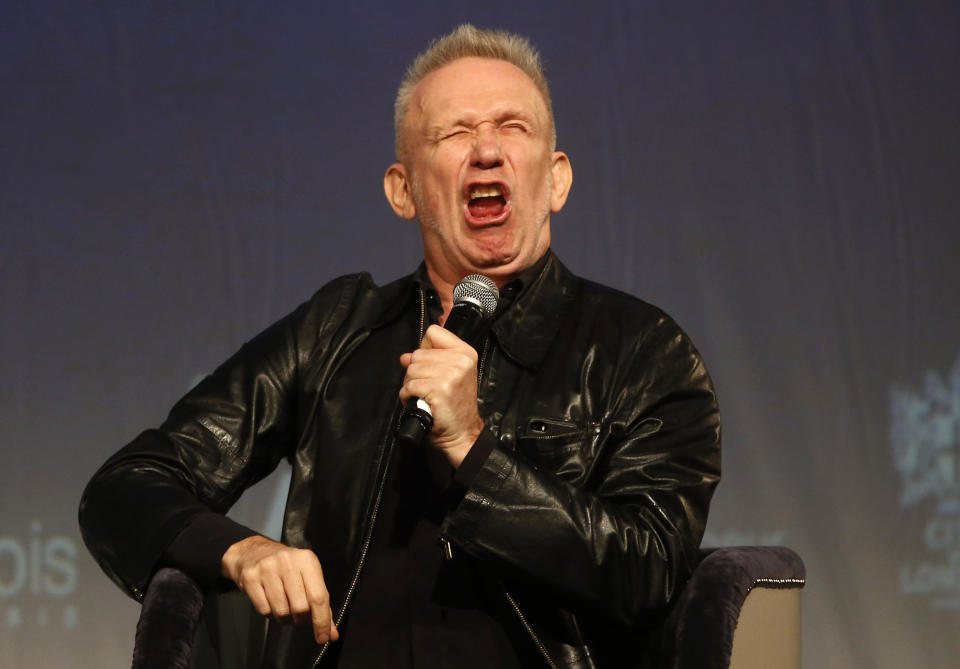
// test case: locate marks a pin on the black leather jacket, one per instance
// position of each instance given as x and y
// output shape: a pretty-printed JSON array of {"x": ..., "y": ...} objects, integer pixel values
[{"x": 591, "y": 507}]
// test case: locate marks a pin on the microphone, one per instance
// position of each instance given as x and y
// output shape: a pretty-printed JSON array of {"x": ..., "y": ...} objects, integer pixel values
[{"x": 474, "y": 301}]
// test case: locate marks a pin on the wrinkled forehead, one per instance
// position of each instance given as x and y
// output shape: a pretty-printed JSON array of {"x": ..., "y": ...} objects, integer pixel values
[{"x": 473, "y": 88}]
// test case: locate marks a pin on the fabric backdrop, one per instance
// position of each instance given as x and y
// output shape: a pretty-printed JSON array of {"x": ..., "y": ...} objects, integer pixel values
[{"x": 780, "y": 177}]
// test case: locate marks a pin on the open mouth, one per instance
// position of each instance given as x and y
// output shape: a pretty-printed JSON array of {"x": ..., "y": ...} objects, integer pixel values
[{"x": 487, "y": 203}]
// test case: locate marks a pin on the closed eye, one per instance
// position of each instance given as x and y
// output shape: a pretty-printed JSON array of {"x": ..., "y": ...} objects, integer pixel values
[
  {"x": 455, "y": 133},
  {"x": 515, "y": 126}
]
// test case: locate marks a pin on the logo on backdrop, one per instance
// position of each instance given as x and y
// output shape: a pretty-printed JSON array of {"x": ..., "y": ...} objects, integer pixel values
[
  {"x": 925, "y": 437},
  {"x": 38, "y": 575}
]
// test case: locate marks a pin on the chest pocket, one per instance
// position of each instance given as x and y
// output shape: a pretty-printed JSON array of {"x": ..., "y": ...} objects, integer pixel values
[{"x": 564, "y": 448}]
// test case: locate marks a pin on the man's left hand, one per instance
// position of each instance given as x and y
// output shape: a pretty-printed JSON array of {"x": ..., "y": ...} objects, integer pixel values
[{"x": 443, "y": 373}]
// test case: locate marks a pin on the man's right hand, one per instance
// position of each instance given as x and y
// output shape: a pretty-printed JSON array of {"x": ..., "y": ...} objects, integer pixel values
[{"x": 283, "y": 582}]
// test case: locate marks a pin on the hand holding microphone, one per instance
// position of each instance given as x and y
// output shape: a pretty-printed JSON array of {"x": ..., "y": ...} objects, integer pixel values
[{"x": 440, "y": 388}]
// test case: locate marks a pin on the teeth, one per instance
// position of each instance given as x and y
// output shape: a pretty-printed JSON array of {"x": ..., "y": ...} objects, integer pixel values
[{"x": 485, "y": 191}]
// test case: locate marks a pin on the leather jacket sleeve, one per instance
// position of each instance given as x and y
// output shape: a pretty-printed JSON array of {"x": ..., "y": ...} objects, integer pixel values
[
  {"x": 222, "y": 437},
  {"x": 620, "y": 539}
]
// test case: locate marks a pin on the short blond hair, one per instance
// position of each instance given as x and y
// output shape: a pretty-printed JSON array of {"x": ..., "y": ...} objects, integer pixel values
[{"x": 464, "y": 42}]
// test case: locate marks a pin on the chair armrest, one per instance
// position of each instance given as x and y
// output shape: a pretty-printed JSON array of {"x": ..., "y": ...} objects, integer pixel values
[
  {"x": 168, "y": 621},
  {"x": 700, "y": 628}
]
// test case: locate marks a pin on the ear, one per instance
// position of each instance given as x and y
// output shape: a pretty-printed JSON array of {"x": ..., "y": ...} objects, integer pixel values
[
  {"x": 562, "y": 180},
  {"x": 396, "y": 186}
]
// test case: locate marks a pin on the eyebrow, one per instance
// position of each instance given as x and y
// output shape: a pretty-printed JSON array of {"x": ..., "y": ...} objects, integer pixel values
[{"x": 499, "y": 116}]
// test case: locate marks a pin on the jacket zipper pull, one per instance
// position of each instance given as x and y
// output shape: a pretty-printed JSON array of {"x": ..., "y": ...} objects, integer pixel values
[{"x": 447, "y": 548}]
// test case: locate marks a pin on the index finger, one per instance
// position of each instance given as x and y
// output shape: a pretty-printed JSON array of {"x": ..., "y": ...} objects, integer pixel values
[{"x": 318, "y": 598}]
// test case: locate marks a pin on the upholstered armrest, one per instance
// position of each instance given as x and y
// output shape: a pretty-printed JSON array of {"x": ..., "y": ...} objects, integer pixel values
[
  {"x": 737, "y": 598},
  {"x": 168, "y": 621}
]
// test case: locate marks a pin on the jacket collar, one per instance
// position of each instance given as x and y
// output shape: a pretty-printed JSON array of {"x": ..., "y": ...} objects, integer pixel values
[{"x": 525, "y": 330}]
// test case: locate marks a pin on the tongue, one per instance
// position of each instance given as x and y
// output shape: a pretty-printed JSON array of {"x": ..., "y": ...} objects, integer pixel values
[{"x": 486, "y": 207}]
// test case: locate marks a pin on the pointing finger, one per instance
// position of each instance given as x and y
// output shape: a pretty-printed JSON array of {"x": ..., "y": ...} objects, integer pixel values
[{"x": 318, "y": 599}]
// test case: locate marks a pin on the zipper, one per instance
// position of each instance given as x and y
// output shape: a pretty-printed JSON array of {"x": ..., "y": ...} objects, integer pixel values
[
  {"x": 447, "y": 548},
  {"x": 364, "y": 551},
  {"x": 483, "y": 360},
  {"x": 526, "y": 626},
  {"x": 592, "y": 428},
  {"x": 423, "y": 315},
  {"x": 376, "y": 508}
]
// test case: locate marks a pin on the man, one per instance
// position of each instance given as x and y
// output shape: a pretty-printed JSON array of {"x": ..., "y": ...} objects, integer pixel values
[{"x": 559, "y": 503}]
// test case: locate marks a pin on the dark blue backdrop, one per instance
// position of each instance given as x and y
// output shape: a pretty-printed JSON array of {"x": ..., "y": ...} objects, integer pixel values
[{"x": 781, "y": 177}]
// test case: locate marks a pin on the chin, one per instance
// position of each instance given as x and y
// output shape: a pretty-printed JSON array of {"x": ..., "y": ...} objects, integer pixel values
[
  {"x": 492, "y": 257},
  {"x": 499, "y": 265},
  {"x": 502, "y": 254}
]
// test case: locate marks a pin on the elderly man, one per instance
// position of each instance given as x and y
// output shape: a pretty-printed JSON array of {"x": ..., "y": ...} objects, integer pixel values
[{"x": 559, "y": 500}]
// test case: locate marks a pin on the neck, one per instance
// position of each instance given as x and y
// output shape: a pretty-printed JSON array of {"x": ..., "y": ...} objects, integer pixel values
[
  {"x": 444, "y": 282},
  {"x": 444, "y": 288}
]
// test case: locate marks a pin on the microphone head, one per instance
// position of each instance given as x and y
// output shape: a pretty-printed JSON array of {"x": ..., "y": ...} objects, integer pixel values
[{"x": 479, "y": 290}]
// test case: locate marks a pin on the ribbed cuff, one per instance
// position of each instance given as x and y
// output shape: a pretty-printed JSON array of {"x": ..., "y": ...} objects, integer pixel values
[
  {"x": 199, "y": 547},
  {"x": 476, "y": 456}
]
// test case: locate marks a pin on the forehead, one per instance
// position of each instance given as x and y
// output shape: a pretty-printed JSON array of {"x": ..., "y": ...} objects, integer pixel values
[{"x": 471, "y": 87}]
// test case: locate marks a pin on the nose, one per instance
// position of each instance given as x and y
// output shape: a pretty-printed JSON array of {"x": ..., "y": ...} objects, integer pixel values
[{"x": 487, "y": 150}]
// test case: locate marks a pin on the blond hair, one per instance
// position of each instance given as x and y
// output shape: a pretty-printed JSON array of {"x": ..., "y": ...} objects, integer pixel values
[{"x": 464, "y": 42}]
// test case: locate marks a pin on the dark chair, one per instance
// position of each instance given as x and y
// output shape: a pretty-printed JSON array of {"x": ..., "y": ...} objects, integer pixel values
[
  {"x": 740, "y": 609},
  {"x": 167, "y": 627}
]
